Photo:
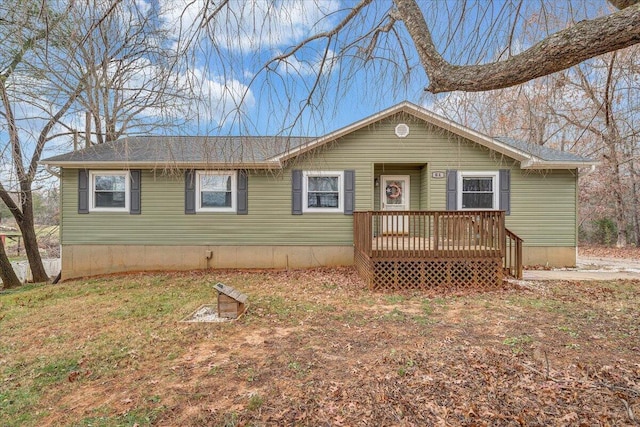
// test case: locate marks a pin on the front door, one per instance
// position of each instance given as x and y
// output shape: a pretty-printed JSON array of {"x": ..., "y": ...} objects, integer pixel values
[{"x": 394, "y": 196}]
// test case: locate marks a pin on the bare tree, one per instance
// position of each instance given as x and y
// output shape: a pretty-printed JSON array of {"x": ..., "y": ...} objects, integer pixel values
[
  {"x": 592, "y": 109},
  {"x": 612, "y": 107},
  {"x": 24, "y": 30},
  {"x": 132, "y": 82},
  {"x": 360, "y": 30},
  {"x": 396, "y": 45},
  {"x": 107, "y": 58}
]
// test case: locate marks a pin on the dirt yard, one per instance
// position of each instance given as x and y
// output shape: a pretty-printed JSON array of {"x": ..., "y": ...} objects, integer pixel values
[{"x": 316, "y": 348}]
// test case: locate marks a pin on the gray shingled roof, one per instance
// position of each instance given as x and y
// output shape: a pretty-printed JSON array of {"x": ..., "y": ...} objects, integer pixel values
[
  {"x": 184, "y": 150},
  {"x": 542, "y": 152},
  {"x": 266, "y": 152}
]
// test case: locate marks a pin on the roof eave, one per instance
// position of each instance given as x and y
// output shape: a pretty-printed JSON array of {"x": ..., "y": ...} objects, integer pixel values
[
  {"x": 72, "y": 164},
  {"x": 543, "y": 164}
]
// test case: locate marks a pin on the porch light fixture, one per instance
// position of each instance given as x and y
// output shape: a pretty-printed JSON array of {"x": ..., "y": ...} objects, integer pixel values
[{"x": 402, "y": 130}]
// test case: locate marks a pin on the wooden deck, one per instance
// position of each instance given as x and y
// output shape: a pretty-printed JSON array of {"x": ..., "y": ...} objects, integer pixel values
[
  {"x": 426, "y": 247},
  {"x": 435, "y": 249}
]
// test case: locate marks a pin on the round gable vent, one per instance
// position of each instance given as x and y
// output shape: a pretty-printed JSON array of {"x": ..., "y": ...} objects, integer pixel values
[{"x": 402, "y": 130}]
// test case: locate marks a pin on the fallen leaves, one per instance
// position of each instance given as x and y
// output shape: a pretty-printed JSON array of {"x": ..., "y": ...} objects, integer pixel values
[
  {"x": 319, "y": 349},
  {"x": 628, "y": 252}
]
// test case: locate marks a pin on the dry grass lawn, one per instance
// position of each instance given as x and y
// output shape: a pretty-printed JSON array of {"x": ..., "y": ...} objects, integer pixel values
[{"x": 317, "y": 348}]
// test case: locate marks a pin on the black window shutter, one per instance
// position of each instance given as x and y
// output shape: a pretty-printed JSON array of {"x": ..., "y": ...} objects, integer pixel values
[
  {"x": 242, "y": 196},
  {"x": 83, "y": 191},
  {"x": 190, "y": 191},
  {"x": 505, "y": 191},
  {"x": 135, "y": 207},
  {"x": 452, "y": 190},
  {"x": 349, "y": 191},
  {"x": 296, "y": 192}
]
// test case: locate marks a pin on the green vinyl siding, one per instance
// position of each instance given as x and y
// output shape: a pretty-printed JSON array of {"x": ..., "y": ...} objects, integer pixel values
[
  {"x": 394, "y": 170},
  {"x": 543, "y": 204},
  {"x": 424, "y": 187},
  {"x": 543, "y": 207},
  {"x": 163, "y": 221}
]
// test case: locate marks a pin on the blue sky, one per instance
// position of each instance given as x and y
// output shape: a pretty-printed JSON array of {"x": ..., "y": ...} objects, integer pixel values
[
  {"x": 245, "y": 36},
  {"x": 229, "y": 52},
  {"x": 237, "y": 46}
]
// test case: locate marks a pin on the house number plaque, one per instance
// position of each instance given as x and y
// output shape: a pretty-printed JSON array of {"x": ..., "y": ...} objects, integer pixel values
[{"x": 437, "y": 175}]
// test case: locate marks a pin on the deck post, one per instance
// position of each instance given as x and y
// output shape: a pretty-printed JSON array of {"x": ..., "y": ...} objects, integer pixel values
[{"x": 436, "y": 231}]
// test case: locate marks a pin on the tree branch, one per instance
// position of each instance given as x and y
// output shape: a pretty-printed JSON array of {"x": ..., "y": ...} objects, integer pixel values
[
  {"x": 323, "y": 35},
  {"x": 561, "y": 50},
  {"x": 31, "y": 41},
  {"x": 14, "y": 137},
  {"x": 43, "y": 136}
]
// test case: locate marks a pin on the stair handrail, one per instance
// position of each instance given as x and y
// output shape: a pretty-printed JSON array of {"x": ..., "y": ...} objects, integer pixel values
[{"x": 513, "y": 254}]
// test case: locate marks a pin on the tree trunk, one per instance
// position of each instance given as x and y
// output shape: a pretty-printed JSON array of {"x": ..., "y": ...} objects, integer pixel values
[
  {"x": 27, "y": 228},
  {"x": 630, "y": 152},
  {"x": 9, "y": 278},
  {"x": 618, "y": 195},
  {"x": 636, "y": 204},
  {"x": 634, "y": 214}
]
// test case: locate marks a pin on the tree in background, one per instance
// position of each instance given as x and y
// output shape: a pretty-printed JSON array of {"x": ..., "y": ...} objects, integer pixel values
[
  {"x": 129, "y": 67},
  {"x": 56, "y": 64},
  {"x": 609, "y": 116},
  {"x": 24, "y": 36},
  {"x": 592, "y": 109}
]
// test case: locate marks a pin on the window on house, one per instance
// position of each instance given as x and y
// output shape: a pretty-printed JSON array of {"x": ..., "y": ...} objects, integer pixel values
[
  {"x": 109, "y": 191},
  {"x": 216, "y": 191},
  {"x": 478, "y": 190},
  {"x": 323, "y": 191}
]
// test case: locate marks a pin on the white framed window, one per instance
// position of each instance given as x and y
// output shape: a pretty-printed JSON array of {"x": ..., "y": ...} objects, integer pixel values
[
  {"x": 216, "y": 191},
  {"x": 478, "y": 190},
  {"x": 322, "y": 191},
  {"x": 110, "y": 191}
]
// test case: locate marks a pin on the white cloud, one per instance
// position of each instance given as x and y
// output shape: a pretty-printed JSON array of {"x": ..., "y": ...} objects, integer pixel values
[
  {"x": 219, "y": 98},
  {"x": 198, "y": 96},
  {"x": 251, "y": 26}
]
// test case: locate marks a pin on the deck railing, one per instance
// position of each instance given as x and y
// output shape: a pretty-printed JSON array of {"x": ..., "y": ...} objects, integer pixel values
[
  {"x": 433, "y": 234},
  {"x": 513, "y": 254}
]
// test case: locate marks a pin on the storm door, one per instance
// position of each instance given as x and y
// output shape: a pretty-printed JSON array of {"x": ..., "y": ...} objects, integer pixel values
[{"x": 394, "y": 196}]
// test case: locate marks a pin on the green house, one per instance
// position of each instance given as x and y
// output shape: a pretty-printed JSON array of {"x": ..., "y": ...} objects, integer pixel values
[{"x": 405, "y": 173}]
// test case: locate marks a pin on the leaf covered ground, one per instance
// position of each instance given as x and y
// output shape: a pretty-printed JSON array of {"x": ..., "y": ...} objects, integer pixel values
[
  {"x": 628, "y": 252},
  {"x": 317, "y": 348}
]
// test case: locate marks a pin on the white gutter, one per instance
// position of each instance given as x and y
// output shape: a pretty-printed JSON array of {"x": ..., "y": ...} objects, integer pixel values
[
  {"x": 543, "y": 164},
  {"x": 161, "y": 165}
]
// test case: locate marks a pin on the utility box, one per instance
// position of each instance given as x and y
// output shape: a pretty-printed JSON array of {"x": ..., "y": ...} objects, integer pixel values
[{"x": 231, "y": 302}]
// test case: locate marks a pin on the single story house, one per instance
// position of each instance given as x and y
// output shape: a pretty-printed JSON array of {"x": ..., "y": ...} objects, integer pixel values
[{"x": 412, "y": 178}]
